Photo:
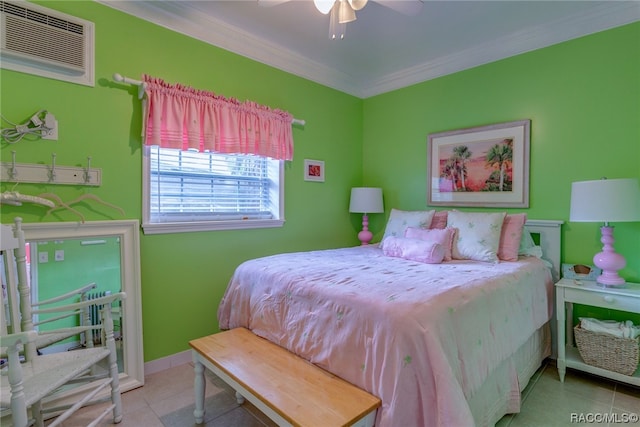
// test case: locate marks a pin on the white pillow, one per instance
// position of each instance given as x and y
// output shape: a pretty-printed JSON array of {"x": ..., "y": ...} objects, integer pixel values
[
  {"x": 478, "y": 235},
  {"x": 399, "y": 221}
]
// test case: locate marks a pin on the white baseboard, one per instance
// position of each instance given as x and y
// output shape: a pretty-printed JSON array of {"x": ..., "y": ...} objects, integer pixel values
[{"x": 167, "y": 362}]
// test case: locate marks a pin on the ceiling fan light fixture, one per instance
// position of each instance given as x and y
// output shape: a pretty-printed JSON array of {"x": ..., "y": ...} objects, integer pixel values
[
  {"x": 324, "y": 6},
  {"x": 357, "y": 4},
  {"x": 345, "y": 13}
]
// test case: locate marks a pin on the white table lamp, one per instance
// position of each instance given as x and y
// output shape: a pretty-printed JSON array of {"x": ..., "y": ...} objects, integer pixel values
[
  {"x": 606, "y": 200},
  {"x": 366, "y": 200}
]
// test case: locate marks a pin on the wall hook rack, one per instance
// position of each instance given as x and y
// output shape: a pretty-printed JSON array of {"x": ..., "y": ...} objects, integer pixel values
[
  {"x": 13, "y": 173},
  {"x": 50, "y": 174},
  {"x": 52, "y": 171},
  {"x": 87, "y": 171}
]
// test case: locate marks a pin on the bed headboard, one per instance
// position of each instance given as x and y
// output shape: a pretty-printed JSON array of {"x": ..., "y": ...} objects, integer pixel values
[{"x": 549, "y": 235}]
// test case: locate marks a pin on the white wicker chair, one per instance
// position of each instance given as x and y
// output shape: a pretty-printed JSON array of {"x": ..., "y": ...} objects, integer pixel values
[
  {"x": 26, "y": 383},
  {"x": 23, "y": 314}
]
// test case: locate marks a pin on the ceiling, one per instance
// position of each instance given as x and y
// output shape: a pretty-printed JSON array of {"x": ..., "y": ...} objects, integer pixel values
[{"x": 383, "y": 49}]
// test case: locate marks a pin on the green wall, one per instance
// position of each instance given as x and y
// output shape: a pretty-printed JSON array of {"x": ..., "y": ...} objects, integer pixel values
[
  {"x": 583, "y": 99},
  {"x": 183, "y": 275},
  {"x": 82, "y": 264},
  {"x": 582, "y": 96},
  {"x": 79, "y": 266}
]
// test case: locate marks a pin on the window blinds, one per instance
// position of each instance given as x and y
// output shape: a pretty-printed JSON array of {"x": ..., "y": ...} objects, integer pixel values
[{"x": 192, "y": 186}]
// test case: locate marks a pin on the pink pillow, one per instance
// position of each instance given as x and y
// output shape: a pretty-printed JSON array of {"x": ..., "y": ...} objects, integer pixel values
[
  {"x": 413, "y": 250},
  {"x": 443, "y": 236},
  {"x": 439, "y": 220},
  {"x": 510, "y": 236}
]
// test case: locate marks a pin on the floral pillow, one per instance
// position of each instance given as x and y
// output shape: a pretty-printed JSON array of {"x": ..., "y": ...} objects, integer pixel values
[
  {"x": 442, "y": 236},
  {"x": 478, "y": 236},
  {"x": 511, "y": 236},
  {"x": 399, "y": 221},
  {"x": 414, "y": 250}
]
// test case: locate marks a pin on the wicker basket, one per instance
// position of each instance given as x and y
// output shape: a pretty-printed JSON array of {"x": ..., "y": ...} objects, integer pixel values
[{"x": 608, "y": 352}]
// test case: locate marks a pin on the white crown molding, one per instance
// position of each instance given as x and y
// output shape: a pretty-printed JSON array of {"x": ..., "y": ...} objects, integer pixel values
[
  {"x": 599, "y": 19},
  {"x": 188, "y": 21},
  {"x": 185, "y": 20}
]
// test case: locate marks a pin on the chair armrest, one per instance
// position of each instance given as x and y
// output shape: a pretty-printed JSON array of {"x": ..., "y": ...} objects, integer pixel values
[{"x": 12, "y": 340}]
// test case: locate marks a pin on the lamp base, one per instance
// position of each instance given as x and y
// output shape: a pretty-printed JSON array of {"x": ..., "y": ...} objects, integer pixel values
[
  {"x": 609, "y": 261},
  {"x": 365, "y": 235}
]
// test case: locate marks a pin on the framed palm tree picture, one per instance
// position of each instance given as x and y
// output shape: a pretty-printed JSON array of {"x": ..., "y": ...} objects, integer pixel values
[{"x": 486, "y": 166}]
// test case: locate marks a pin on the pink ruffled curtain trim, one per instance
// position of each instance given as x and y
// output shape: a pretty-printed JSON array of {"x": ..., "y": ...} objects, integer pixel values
[{"x": 181, "y": 117}]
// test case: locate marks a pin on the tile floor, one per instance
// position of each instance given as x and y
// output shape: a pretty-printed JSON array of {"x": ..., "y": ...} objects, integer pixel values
[{"x": 167, "y": 400}]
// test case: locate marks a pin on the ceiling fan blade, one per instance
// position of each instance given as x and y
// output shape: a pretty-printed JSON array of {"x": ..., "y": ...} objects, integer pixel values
[
  {"x": 357, "y": 4},
  {"x": 406, "y": 7},
  {"x": 270, "y": 3},
  {"x": 324, "y": 6}
]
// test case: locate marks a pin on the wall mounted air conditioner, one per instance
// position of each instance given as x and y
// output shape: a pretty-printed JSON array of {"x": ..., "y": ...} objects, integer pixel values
[{"x": 45, "y": 42}]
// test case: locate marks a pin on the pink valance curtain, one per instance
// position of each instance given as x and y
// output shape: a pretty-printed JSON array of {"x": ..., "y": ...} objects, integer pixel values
[{"x": 181, "y": 117}]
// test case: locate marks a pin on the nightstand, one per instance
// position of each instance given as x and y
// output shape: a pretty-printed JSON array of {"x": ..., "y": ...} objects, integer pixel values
[{"x": 569, "y": 291}]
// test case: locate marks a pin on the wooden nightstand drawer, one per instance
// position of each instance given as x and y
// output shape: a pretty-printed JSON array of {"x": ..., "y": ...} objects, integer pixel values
[{"x": 598, "y": 299}]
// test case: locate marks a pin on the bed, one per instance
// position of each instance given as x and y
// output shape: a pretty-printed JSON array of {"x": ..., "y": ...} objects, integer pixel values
[{"x": 448, "y": 344}]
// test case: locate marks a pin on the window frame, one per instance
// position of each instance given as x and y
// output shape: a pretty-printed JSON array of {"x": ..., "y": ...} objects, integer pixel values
[{"x": 149, "y": 227}]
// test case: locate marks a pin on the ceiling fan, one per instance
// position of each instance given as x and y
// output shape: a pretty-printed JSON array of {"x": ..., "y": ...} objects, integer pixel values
[{"x": 344, "y": 11}]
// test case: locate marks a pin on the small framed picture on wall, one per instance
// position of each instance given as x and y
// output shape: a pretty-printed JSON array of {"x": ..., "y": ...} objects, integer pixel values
[{"x": 313, "y": 170}]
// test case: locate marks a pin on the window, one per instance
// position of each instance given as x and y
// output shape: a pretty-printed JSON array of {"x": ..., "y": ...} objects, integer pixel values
[{"x": 192, "y": 191}]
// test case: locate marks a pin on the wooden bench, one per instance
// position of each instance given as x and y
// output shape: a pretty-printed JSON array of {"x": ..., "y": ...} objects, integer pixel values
[{"x": 285, "y": 387}]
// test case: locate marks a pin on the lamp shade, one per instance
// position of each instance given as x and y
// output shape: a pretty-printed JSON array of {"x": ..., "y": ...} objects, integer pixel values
[
  {"x": 366, "y": 200},
  {"x": 605, "y": 200}
]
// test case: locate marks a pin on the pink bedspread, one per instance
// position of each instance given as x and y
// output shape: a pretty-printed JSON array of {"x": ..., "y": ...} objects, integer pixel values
[{"x": 422, "y": 337}]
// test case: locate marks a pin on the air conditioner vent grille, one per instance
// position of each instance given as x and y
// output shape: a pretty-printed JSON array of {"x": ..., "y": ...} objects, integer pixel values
[
  {"x": 42, "y": 41},
  {"x": 43, "y": 18},
  {"x": 45, "y": 42}
]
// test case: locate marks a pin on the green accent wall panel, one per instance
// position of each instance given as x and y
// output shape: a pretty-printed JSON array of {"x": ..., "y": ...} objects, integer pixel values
[
  {"x": 79, "y": 265},
  {"x": 583, "y": 99}
]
